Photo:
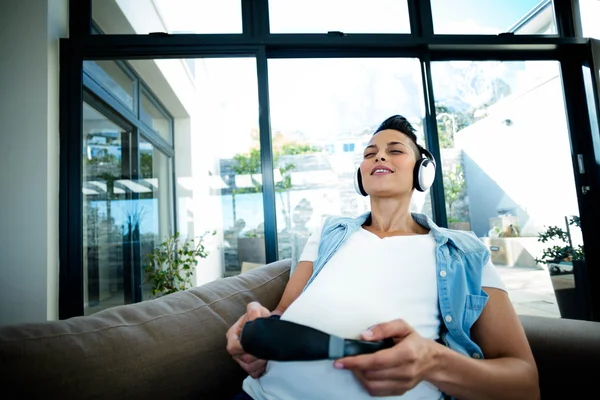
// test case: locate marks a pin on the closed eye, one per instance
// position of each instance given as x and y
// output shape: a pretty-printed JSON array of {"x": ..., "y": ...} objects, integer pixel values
[{"x": 369, "y": 155}]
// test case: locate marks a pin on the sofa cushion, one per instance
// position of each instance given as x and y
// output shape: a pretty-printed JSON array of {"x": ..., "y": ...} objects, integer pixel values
[
  {"x": 566, "y": 352},
  {"x": 170, "y": 347}
]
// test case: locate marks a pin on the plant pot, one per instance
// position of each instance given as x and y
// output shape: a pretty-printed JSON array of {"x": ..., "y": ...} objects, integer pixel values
[{"x": 569, "y": 284}]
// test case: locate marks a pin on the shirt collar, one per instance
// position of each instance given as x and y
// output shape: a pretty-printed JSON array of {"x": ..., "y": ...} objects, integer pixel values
[{"x": 439, "y": 234}]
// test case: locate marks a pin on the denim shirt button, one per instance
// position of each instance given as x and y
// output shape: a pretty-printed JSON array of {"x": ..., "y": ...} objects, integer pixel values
[
  {"x": 443, "y": 273},
  {"x": 448, "y": 318},
  {"x": 476, "y": 356}
]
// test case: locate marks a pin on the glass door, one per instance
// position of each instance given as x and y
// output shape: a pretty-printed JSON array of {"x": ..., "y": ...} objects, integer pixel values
[{"x": 105, "y": 164}]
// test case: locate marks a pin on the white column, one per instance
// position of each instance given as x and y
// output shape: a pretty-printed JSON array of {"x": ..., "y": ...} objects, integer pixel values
[{"x": 29, "y": 158}]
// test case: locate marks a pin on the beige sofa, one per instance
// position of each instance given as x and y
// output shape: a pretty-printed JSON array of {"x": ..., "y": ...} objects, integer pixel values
[{"x": 174, "y": 347}]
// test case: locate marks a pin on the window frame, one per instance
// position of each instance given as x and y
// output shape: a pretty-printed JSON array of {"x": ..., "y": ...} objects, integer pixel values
[{"x": 567, "y": 47}]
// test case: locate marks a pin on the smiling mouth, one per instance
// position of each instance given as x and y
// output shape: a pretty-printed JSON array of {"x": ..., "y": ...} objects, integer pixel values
[{"x": 381, "y": 171}]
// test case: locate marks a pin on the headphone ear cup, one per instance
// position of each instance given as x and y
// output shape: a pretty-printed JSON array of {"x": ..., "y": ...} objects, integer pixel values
[
  {"x": 416, "y": 175},
  {"x": 424, "y": 174},
  {"x": 358, "y": 186}
]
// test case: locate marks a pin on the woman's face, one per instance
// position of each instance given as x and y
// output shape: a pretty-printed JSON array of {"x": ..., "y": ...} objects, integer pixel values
[{"x": 387, "y": 165}]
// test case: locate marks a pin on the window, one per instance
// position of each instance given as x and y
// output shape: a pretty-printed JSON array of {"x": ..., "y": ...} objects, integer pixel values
[
  {"x": 500, "y": 124},
  {"x": 348, "y": 147},
  {"x": 169, "y": 16},
  {"x": 153, "y": 210},
  {"x": 127, "y": 179},
  {"x": 589, "y": 12},
  {"x": 114, "y": 77},
  {"x": 155, "y": 117},
  {"x": 226, "y": 148},
  {"x": 355, "y": 96},
  {"x": 105, "y": 205},
  {"x": 491, "y": 17},
  {"x": 348, "y": 16},
  {"x": 187, "y": 110}
]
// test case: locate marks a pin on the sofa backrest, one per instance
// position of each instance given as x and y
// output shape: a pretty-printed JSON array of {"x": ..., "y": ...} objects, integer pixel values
[
  {"x": 174, "y": 347},
  {"x": 171, "y": 347},
  {"x": 567, "y": 353}
]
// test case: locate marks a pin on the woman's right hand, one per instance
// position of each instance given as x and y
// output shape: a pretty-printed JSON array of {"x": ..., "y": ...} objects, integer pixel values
[{"x": 255, "y": 367}]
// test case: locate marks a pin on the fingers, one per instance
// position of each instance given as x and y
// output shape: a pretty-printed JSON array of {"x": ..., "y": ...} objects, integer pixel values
[
  {"x": 375, "y": 361},
  {"x": 397, "y": 328},
  {"x": 234, "y": 346},
  {"x": 255, "y": 310},
  {"x": 255, "y": 368},
  {"x": 247, "y": 358},
  {"x": 252, "y": 365},
  {"x": 378, "y": 388}
]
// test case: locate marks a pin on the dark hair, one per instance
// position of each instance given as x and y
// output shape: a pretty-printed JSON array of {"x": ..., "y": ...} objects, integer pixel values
[{"x": 401, "y": 124}]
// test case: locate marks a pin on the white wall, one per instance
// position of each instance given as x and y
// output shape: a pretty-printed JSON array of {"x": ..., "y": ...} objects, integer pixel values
[
  {"x": 525, "y": 165},
  {"x": 29, "y": 111}
]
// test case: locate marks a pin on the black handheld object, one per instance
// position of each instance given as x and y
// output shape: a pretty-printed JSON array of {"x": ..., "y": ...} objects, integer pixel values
[{"x": 278, "y": 340}]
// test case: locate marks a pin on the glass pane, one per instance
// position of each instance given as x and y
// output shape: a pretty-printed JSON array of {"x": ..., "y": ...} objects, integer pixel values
[
  {"x": 505, "y": 147},
  {"x": 228, "y": 144},
  {"x": 491, "y": 17},
  {"x": 214, "y": 125},
  {"x": 589, "y": 11},
  {"x": 322, "y": 16},
  {"x": 218, "y": 181},
  {"x": 155, "y": 118},
  {"x": 155, "y": 205},
  {"x": 103, "y": 199},
  {"x": 111, "y": 77},
  {"x": 318, "y": 141},
  {"x": 170, "y": 16}
]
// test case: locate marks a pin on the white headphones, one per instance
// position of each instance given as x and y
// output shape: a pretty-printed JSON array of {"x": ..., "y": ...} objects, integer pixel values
[{"x": 423, "y": 174}]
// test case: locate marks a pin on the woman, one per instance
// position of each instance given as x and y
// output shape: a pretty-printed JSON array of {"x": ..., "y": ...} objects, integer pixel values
[{"x": 390, "y": 273}]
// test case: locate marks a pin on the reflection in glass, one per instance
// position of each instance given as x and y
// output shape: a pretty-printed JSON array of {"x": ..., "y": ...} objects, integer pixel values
[
  {"x": 155, "y": 118},
  {"x": 102, "y": 211},
  {"x": 154, "y": 205},
  {"x": 348, "y": 16},
  {"x": 170, "y": 16},
  {"x": 506, "y": 163},
  {"x": 318, "y": 140},
  {"x": 491, "y": 17},
  {"x": 226, "y": 149},
  {"x": 113, "y": 78}
]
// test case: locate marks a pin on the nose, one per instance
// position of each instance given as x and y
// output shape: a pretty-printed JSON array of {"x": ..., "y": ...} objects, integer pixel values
[{"x": 379, "y": 157}]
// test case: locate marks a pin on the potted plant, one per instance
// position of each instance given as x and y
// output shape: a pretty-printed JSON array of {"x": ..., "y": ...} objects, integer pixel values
[
  {"x": 171, "y": 264},
  {"x": 566, "y": 265}
]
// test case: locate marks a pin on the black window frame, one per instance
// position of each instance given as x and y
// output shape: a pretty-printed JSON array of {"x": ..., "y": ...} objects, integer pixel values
[{"x": 569, "y": 49}]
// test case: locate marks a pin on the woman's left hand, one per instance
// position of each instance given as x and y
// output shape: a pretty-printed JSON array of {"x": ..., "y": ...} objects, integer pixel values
[{"x": 395, "y": 370}]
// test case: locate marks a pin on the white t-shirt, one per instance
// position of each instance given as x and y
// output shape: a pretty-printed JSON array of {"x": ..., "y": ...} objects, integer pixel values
[{"x": 367, "y": 281}]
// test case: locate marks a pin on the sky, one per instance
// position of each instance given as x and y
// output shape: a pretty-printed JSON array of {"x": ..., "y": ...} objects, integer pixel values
[
  {"x": 353, "y": 16},
  {"x": 324, "y": 97},
  {"x": 479, "y": 16}
]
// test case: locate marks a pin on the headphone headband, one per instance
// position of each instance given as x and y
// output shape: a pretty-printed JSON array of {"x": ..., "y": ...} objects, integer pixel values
[{"x": 426, "y": 153}]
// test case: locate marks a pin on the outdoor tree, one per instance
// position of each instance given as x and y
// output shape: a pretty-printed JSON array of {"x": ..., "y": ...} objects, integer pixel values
[
  {"x": 146, "y": 165},
  {"x": 454, "y": 186},
  {"x": 249, "y": 164},
  {"x": 450, "y": 121}
]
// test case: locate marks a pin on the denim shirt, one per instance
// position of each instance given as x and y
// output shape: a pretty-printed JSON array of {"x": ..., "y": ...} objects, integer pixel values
[{"x": 460, "y": 257}]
